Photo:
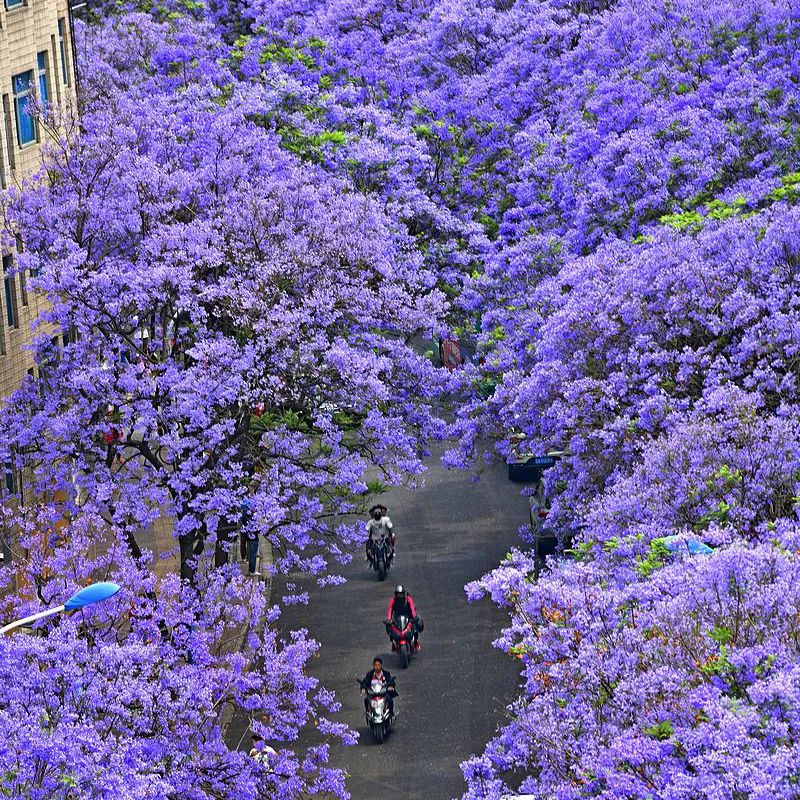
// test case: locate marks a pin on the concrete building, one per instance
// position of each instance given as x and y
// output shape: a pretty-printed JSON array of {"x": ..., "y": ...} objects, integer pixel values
[{"x": 36, "y": 65}]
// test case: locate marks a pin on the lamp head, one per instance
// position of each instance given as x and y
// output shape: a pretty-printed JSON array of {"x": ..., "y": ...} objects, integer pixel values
[{"x": 91, "y": 594}]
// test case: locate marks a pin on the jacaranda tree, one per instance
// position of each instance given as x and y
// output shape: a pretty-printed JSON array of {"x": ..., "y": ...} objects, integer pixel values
[
  {"x": 236, "y": 325},
  {"x": 228, "y": 345},
  {"x": 126, "y": 698},
  {"x": 639, "y": 314},
  {"x": 261, "y": 206}
]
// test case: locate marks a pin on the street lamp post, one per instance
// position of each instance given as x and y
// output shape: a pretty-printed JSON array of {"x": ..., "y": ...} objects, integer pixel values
[{"x": 94, "y": 593}]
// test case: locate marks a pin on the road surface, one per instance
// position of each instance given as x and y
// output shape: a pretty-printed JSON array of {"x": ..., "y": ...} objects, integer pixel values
[{"x": 453, "y": 694}]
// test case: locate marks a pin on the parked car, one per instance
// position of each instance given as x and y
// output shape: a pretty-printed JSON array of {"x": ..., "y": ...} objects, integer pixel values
[{"x": 525, "y": 467}]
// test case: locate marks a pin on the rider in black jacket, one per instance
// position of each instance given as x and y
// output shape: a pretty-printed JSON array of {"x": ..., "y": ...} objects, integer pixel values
[{"x": 385, "y": 677}]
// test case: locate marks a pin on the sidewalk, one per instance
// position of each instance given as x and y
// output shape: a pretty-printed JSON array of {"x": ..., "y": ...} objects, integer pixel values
[
  {"x": 158, "y": 538},
  {"x": 264, "y": 564}
]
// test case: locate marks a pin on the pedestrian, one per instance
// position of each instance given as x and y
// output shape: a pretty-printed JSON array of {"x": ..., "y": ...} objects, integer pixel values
[
  {"x": 252, "y": 552},
  {"x": 249, "y": 538},
  {"x": 245, "y": 515},
  {"x": 244, "y": 518}
]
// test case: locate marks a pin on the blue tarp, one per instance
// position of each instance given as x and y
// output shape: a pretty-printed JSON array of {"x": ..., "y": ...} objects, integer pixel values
[{"x": 676, "y": 544}]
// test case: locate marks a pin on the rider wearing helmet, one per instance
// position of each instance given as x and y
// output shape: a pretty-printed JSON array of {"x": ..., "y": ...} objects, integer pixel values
[
  {"x": 403, "y": 603},
  {"x": 378, "y": 525}
]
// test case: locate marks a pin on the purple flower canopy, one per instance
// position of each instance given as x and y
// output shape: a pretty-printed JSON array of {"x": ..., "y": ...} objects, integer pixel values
[
  {"x": 263, "y": 209},
  {"x": 639, "y": 313}
]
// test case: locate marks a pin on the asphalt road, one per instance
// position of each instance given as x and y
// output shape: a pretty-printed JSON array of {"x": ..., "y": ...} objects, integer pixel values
[{"x": 453, "y": 694}]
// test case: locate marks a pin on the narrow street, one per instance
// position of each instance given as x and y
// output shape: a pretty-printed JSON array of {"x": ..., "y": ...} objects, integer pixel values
[{"x": 453, "y": 694}]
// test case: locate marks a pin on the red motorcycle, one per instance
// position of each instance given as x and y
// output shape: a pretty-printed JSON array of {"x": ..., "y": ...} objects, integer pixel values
[{"x": 404, "y": 642}]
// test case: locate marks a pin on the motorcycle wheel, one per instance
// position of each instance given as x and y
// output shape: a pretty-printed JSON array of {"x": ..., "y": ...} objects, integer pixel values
[
  {"x": 377, "y": 732},
  {"x": 381, "y": 571},
  {"x": 404, "y": 655}
]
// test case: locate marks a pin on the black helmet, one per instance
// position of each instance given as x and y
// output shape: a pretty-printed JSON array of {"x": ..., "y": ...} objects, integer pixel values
[{"x": 400, "y": 591}]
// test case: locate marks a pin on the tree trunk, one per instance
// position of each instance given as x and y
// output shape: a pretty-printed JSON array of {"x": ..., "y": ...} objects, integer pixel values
[
  {"x": 188, "y": 557},
  {"x": 220, "y": 552},
  {"x": 133, "y": 545}
]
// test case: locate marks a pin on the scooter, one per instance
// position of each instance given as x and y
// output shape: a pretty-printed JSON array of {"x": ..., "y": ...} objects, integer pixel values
[
  {"x": 381, "y": 556},
  {"x": 377, "y": 714},
  {"x": 403, "y": 642}
]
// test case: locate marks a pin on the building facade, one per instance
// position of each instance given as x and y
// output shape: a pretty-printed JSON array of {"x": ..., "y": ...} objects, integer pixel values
[{"x": 37, "y": 68}]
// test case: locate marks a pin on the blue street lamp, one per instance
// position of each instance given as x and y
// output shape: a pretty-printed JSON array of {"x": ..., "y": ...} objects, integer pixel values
[{"x": 85, "y": 597}]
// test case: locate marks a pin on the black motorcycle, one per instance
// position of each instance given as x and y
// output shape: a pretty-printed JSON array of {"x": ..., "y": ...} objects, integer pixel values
[{"x": 381, "y": 556}]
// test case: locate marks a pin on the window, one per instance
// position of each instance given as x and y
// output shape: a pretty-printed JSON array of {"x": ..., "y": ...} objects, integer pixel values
[
  {"x": 62, "y": 46},
  {"x": 14, "y": 4},
  {"x": 26, "y": 125},
  {"x": 41, "y": 69},
  {"x": 23, "y": 289},
  {"x": 11, "y": 482},
  {"x": 48, "y": 358},
  {"x": 23, "y": 284},
  {"x": 11, "y": 300}
]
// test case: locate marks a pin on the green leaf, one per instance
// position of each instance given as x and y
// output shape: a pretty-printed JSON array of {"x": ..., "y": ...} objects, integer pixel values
[
  {"x": 376, "y": 486},
  {"x": 684, "y": 221},
  {"x": 661, "y": 731},
  {"x": 721, "y": 634}
]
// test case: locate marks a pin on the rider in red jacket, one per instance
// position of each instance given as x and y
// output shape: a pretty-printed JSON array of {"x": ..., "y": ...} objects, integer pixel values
[{"x": 403, "y": 603}]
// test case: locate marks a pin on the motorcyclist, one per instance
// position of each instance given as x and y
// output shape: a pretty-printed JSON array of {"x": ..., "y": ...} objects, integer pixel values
[
  {"x": 378, "y": 673},
  {"x": 403, "y": 604},
  {"x": 379, "y": 525}
]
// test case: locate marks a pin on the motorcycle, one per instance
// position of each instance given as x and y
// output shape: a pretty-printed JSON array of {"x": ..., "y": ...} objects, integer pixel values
[
  {"x": 377, "y": 714},
  {"x": 402, "y": 636},
  {"x": 381, "y": 556}
]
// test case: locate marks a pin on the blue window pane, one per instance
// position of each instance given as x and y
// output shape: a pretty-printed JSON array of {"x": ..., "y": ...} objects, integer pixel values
[
  {"x": 13, "y": 3},
  {"x": 41, "y": 64},
  {"x": 25, "y": 124},
  {"x": 21, "y": 83}
]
